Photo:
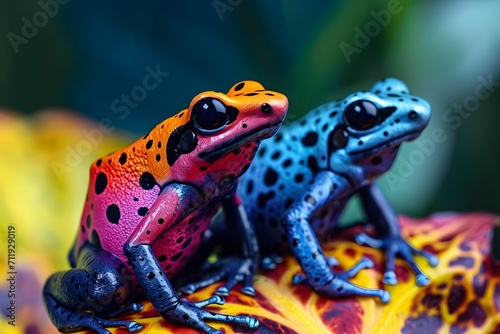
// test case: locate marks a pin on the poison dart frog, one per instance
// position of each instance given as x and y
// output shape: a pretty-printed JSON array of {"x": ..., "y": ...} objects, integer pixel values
[
  {"x": 149, "y": 205},
  {"x": 301, "y": 179}
]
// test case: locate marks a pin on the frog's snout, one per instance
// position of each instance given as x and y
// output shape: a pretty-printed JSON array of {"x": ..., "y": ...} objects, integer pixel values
[{"x": 275, "y": 107}]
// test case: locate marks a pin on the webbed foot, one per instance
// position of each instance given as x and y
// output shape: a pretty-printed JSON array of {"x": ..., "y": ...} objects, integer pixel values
[
  {"x": 192, "y": 314},
  {"x": 394, "y": 246}
]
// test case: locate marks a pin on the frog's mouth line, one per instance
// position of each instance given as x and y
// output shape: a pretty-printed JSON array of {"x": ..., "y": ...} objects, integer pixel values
[
  {"x": 257, "y": 134},
  {"x": 405, "y": 137}
]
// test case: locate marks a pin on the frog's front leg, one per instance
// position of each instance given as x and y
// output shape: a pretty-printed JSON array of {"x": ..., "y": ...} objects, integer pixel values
[
  {"x": 381, "y": 214},
  {"x": 175, "y": 203},
  {"x": 82, "y": 298},
  {"x": 306, "y": 247},
  {"x": 236, "y": 268}
]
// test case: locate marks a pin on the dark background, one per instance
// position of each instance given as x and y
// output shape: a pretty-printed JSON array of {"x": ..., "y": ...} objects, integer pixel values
[{"x": 86, "y": 54}]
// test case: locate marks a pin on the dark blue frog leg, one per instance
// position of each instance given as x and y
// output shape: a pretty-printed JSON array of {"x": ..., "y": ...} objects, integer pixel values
[
  {"x": 240, "y": 268},
  {"x": 164, "y": 298},
  {"x": 306, "y": 247},
  {"x": 175, "y": 203},
  {"x": 79, "y": 298},
  {"x": 385, "y": 220}
]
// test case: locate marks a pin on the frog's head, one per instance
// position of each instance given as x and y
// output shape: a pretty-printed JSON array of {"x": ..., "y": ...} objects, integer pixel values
[
  {"x": 372, "y": 125},
  {"x": 222, "y": 131}
]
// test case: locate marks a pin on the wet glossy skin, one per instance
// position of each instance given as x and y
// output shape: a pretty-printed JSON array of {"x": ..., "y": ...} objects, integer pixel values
[
  {"x": 149, "y": 204},
  {"x": 302, "y": 178}
]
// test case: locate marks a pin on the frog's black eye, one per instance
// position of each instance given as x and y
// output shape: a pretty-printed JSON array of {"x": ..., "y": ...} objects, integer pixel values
[
  {"x": 209, "y": 114},
  {"x": 361, "y": 115}
]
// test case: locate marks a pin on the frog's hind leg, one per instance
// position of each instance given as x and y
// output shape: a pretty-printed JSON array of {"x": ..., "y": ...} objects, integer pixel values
[{"x": 81, "y": 298}]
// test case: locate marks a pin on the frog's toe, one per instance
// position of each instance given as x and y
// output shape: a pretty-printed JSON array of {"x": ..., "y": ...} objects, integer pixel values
[
  {"x": 385, "y": 297},
  {"x": 422, "y": 280},
  {"x": 212, "y": 300},
  {"x": 365, "y": 239},
  {"x": 433, "y": 260},
  {"x": 222, "y": 291},
  {"x": 390, "y": 278},
  {"x": 248, "y": 290},
  {"x": 134, "y": 327},
  {"x": 299, "y": 279},
  {"x": 188, "y": 289},
  {"x": 270, "y": 262}
]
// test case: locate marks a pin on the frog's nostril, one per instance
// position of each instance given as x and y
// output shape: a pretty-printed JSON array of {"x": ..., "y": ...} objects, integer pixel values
[
  {"x": 413, "y": 114},
  {"x": 266, "y": 108}
]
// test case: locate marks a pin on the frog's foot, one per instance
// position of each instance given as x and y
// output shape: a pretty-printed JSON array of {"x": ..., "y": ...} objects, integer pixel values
[
  {"x": 192, "y": 314},
  {"x": 394, "y": 246},
  {"x": 339, "y": 286},
  {"x": 67, "y": 320},
  {"x": 271, "y": 261},
  {"x": 233, "y": 269}
]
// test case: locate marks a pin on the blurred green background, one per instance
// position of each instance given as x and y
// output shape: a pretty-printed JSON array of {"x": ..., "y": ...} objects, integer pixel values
[{"x": 85, "y": 55}]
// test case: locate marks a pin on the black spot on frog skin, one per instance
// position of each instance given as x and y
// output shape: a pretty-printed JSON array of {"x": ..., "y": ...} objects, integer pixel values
[
  {"x": 249, "y": 187},
  {"x": 288, "y": 202},
  {"x": 162, "y": 258},
  {"x": 142, "y": 211},
  {"x": 263, "y": 198},
  {"x": 239, "y": 86},
  {"x": 276, "y": 155},
  {"x": 186, "y": 243},
  {"x": 113, "y": 213},
  {"x": 123, "y": 158},
  {"x": 98, "y": 162},
  {"x": 312, "y": 163},
  {"x": 182, "y": 140},
  {"x": 176, "y": 256},
  {"x": 149, "y": 144},
  {"x": 251, "y": 94},
  {"x": 287, "y": 163},
  {"x": 101, "y": 182},
  {"x": 147, "y": 181},
  {"x": 310, "y": 139},
  {"x": 299, "y": 177},
  {"x": 271, "y": 177},
  {"x": 89, "y": 221},
  {"x": 278, "y": 137},
  {"x": 333, "y": 113}
]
